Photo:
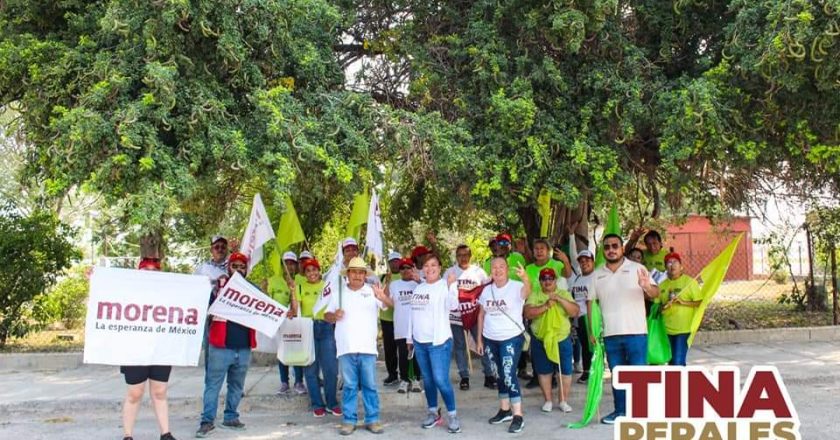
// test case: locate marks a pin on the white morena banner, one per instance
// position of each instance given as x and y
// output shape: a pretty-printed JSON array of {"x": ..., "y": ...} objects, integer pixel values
[
  {"x": 258, "y": 233},
  {"x": 143, "y": 317},
  {"x": 241, "y": 302}
]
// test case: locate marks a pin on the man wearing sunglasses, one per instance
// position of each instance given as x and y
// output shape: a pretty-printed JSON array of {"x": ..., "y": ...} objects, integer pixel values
[
  {"x": 216, "y": 267},
  {"x": 621, "y": 287},
  {"x": 503, "y": 242}
]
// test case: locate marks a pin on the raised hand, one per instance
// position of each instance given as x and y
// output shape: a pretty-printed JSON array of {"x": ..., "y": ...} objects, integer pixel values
[
  {"x": 451, "y": 278},
  {"x": 521, "y": 273},
  {"x": 379, "y": 291},
  {"x": 644, "y": 279}
]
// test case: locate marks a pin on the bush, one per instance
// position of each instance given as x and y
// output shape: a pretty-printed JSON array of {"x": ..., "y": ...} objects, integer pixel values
[{"x": 66, "y": 302}]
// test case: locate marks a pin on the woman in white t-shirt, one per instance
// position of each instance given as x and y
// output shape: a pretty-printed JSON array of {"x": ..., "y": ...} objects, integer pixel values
[
  {"x": 500, "y": 324},
  {"x": 432, "y": 340}
]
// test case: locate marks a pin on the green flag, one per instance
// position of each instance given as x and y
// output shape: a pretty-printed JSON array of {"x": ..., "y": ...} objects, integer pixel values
[
  {"x": 359, "y": 214},
  {"x": 712, "y": 276},
  {"x": 613, "y": 226},
  {"x": 544, "y": 209},
  {"x": 289, "y": 231},
  {"x": 595, "y": 384}
]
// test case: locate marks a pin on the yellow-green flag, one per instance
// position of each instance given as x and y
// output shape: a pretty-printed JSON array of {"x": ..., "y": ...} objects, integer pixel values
[
  {"x": 712, "y": 276},
  {"x": 289, "y": 231},
  {"x": 613, "y": 226},
  {"x": 358, "y": 217},
  {"x": 544, "y": 210}
]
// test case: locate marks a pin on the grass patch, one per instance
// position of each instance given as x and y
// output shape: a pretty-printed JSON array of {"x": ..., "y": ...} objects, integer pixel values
[
  {"x": 760, "y": 314},
  {"x": 47, "y": 341}
]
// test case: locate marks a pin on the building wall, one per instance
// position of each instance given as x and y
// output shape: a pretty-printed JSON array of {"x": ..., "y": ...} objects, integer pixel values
[{"x": 699, "y": 242}]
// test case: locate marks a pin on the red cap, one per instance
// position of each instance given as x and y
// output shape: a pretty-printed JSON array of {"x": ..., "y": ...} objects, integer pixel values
[
  {"x": 419, "y": 251},
  {"x": 238, "y": 256},
  {"x": 149, "y": 264},
  {"x": 310, "y": 262},
  {"x": 548, "y": 272},
  {"x": 673, "y": 256},
  {"x": 504, "y": 237},
  {"x": 406, "y": 262}
]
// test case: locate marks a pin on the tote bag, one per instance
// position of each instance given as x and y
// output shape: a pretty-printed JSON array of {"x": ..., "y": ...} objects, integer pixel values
[
  {"x": 296, "y": 342},
  {"x": 659, "y": 347}
]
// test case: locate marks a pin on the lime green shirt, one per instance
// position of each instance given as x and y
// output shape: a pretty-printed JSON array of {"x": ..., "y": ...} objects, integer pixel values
[
  {"x": 278, "y": 290},
  {"x": 654, "y": 261},
  {"x": 534, "y": 273},
  {"x": 678, "y": 317},
  {"x": 514, "y": 259},
  {"x": 538, "y": 298},
  {"x": 308, "y": 294},
  {"x": 388, "y": 314}
]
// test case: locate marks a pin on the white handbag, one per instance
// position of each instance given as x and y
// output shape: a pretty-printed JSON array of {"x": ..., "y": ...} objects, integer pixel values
[{"x": 296, "y": 342}]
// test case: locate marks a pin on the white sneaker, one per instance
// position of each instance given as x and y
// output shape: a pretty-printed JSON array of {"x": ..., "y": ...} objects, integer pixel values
[
  {"x": 403, "y": 388},
  {"x": 565, "y": 407},
  {"x": 547, "y": 406},
  {"x": 416, "y": 386}
]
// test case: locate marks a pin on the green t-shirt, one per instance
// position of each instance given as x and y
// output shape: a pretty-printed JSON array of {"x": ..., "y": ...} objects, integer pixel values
[
  {"x": 514, "y": 259},
  {"x": 538, "y": 298},
  {"x": 678, "y": 317},
  {"x": 388, "y": 314},
  {"x": 308, "y": 294},
  {"x": 278, "y": 290},
  {"x": 654, "y": 261},
  {"x": 534, "y": 273}
]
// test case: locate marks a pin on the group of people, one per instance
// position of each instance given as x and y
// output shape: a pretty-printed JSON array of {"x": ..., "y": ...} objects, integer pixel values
[{"x": 512, "y": 310}]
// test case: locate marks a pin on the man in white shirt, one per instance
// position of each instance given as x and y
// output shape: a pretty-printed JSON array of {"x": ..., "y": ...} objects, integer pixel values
[
  {"x": 468, "y": 277},
  {"x": 217, "y": 265},
  {"x": 620, "y": 287},
  {"x": 355, "y": 310},
  {"x": 580, "y": 286}
]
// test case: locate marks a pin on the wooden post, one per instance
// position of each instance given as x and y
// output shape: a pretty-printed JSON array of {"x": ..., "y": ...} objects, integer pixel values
[{"x": 835, "y": 294}]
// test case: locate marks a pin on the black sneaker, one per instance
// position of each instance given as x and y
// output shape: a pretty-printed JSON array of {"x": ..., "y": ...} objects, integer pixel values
[
  {"x": 205, "y": 429},
  {"x": 583, "y": 377},
  {"x": 167, "y": 436},
  {"x": 517, "y": 425},
  {"x": 128, "y": 437},
  {"x": 501, "y": 417},
  {"x": 391, "y": 381},
  {"x": 465, "y": 383},
  {"x": 234, "y": 424},
  {"x": 523, "y": 374},
  {"x": 490, "y": 382},
  {"x": 533, "y": 383}
]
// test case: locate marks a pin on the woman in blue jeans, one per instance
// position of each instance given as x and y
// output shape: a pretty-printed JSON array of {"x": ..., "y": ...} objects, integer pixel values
[
  {"x": 431, "y": 337},
  {"x": 500, "y": 324}
]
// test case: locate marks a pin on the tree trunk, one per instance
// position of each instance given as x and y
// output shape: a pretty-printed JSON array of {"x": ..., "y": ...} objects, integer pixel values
[
  {"x": 835, "y": 294},
  {"x": 563, "y": 222},
  {"x": 151, "y": 245}
]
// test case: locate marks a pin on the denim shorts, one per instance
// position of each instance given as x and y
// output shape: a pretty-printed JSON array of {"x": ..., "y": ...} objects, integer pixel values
[{"x": 544, "y": 366}]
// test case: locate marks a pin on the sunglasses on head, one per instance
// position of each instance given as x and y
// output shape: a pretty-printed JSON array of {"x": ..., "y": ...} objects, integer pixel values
[
  {"x": 547, "y": 278},
  {"x": 612, "y": 246}
]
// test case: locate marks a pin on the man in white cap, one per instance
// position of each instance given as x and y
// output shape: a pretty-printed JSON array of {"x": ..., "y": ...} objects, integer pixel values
[
  {"x": 350, "y": 249},
  {"x": 580, "y": 286},
  {"x": 217, "y": 265},
  {"x": 355, "y": 311},
  {"x": 279, "y": 290},
  {"x": 386, "y": 320},
  {"x": 304, "y": 256}
]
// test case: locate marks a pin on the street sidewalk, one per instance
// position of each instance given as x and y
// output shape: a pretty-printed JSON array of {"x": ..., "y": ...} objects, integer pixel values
[{"x": 85, "y": 402}]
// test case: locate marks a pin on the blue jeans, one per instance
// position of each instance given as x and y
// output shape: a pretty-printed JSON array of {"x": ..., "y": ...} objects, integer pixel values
[
  {"x": 359, "y": 370},
  {"x": 325, "y": 361},
  {"x": 434, "y": 363},
  {"x": 221, "y": 363},
  {"x": 284, "y": 373},
  {"x": 506, "y": 356},
  {"x": 679, "y": 348},
  {"x": 624, "y": 350},
  {"x": 459, "y": 349}
]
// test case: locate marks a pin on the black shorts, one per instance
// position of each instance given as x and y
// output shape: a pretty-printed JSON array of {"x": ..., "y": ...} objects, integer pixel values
[{"x": 138, "y": 374}]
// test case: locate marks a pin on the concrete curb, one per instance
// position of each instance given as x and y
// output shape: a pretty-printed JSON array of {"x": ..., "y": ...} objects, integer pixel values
[{"x": 65, "y": 361}]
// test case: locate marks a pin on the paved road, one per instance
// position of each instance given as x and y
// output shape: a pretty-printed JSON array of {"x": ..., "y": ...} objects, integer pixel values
[{"x": 84, "y": 403}]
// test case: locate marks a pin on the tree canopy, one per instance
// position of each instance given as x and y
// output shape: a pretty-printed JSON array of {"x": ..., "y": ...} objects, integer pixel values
[{"x": 177, "y": 111}]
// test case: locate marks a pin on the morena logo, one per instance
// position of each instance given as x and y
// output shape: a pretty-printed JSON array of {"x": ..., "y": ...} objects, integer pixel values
[
  {"x": 252, "y": 302},
  {"x": 693, "y": 403},
  {"x": 115, "y": 311}
]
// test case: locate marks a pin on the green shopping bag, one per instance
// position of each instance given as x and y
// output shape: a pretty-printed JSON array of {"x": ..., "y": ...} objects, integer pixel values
[{"x": 659, "y": 347}]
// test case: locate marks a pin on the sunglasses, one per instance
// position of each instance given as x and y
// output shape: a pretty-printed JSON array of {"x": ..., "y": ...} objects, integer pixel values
[
  {"x": 612, "y": 246},
  {"x": 503, "y": 243},
  {"x": 547, "y": 278},
  {"x": 238, "y": 266},
  {"x": 219, "y": 247}
]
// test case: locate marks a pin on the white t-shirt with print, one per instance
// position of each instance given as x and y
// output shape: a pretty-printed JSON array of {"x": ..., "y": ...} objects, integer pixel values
[
  {"x": 400, "y": 292},
  {"x": 502, "y": 310},
  {"x": 467, "y": 279},
  {"x": 430, "y": 306},
  {"x": 580, "y": 287},
  {"x": 356, "y": 332}
]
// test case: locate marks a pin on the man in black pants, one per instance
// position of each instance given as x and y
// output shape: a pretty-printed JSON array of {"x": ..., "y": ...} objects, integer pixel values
[
  {"x": 580, "y": 286},
  {"x": 386, "y": 321}
]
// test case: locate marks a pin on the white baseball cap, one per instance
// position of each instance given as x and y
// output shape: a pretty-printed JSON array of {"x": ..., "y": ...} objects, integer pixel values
[
  {"x": 585, "y": 253},
  {"x": 289, "y": 256},
  {"x": 349, "y": 241},
  {"x": 306, "y": 254},
  {"x": 394, "y": 256}
]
